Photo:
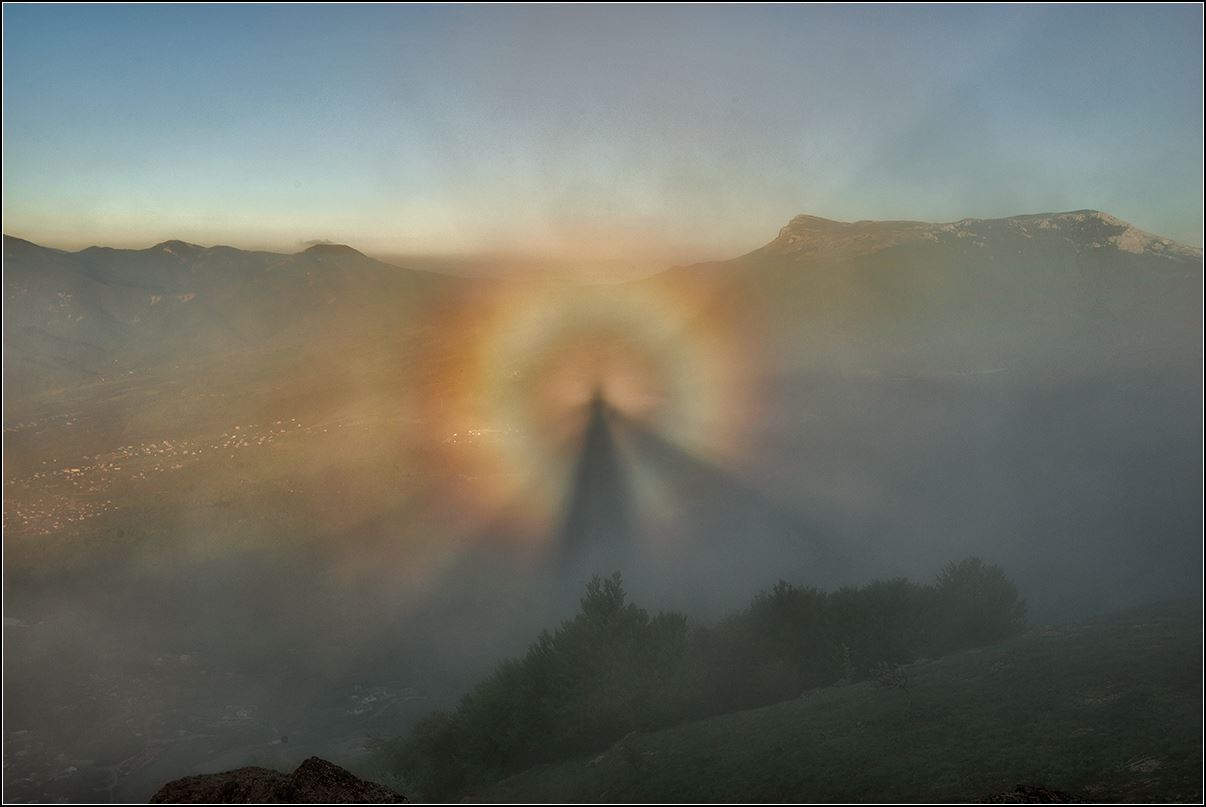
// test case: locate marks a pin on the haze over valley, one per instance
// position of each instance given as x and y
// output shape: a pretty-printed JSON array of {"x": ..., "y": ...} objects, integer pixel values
[
  {"x": 204, "y": 434},
  {"x": 349, "y": 352}
]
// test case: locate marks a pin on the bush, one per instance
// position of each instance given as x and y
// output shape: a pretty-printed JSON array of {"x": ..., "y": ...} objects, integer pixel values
[
  {"x": 975, "y": 604},
  {"x": 613, "y": 669},
  {"x": 606, "y": 672},
  {"x": 884, "y": 621}
]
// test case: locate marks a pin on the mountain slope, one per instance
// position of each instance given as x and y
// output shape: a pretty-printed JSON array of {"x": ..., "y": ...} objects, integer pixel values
[
  {"x": 1025, "y": 388},
  {"x": 1084, "y": 230},
  {"x": 1109, "y": 710},
  {"x": 1043, "y": 291}
]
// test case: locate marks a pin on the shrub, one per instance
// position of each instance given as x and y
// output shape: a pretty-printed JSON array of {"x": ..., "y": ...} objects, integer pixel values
[
  {"x": 975, "y": 604},
  {"x": 884, "y": 621},
  {"x": 613, "y": 669},
  {"x": 604, "y": 673}
]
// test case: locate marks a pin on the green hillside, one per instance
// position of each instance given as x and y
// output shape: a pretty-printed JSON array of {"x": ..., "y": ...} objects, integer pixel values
[{"x": 1109, "y": 710}]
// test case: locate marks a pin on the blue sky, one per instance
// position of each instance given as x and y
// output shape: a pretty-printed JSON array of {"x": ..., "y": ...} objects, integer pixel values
[{"x": 652, "y": 134}]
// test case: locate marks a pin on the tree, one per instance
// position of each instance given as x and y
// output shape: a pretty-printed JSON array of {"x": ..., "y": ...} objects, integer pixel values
[{"x": 976, "y": 603}]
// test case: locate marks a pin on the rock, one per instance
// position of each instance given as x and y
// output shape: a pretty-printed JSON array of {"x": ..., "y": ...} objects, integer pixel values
[
  {"x": 315, "y": 781},
  {"x": 1033, "y": 794}
]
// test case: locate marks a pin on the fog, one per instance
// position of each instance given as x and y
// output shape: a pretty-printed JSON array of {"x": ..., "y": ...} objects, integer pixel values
[{"x": 251, "y": 556}]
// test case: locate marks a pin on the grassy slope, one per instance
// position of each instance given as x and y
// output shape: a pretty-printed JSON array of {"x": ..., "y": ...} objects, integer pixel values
[{"x": 1109, "y": 709}]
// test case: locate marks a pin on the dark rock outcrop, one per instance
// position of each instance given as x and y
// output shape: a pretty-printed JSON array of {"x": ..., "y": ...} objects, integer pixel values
[
  {"x": 1033, "y": 794},
  {"x": 315, "y": 781}
]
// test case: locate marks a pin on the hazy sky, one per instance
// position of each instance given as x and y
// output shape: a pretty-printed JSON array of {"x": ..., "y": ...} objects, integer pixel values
[{"x": 650, "y": 134}]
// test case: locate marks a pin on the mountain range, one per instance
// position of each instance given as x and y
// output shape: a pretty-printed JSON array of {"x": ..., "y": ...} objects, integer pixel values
[
  {"x": 1064, "y": 291},
  {"x": 1068, "y": 289},
  {"x": 1014, "y": 385},
  {"x": 100, "y": 313}
]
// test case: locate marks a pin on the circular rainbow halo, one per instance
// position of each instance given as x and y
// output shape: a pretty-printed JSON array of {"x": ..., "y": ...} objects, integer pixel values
[{"x": 527, "y": 362}]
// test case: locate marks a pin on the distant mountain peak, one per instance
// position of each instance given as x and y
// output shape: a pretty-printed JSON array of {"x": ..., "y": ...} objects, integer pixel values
[
  {"x": 15, "y": 247},
  {"x": 319, "y": 250},
  {"x": 807, "y": 235},
  {"x": 178, "y": 248},
  {"x": 1093, "y": 229},
  {"x": 13, "y": 244},
  {"x": 805, "y": 223}
]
